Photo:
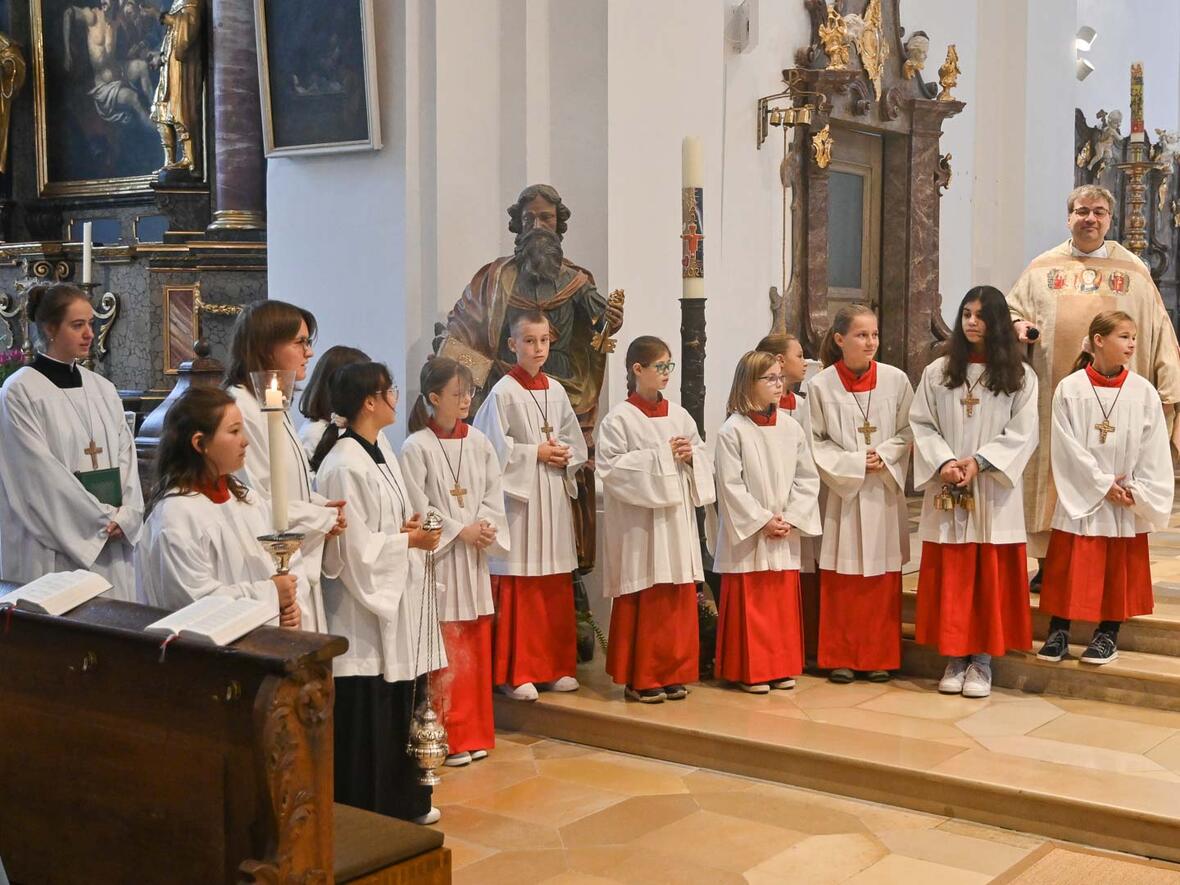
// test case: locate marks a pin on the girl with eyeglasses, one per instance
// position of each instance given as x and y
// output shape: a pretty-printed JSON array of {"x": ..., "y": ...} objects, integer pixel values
[
  {"x": 459, "y": 471},
  {"x": 374, "y": 596},
  {"x": 655, "y": 472},
  {"x": 274, "y": 335},
  {"x": 860, "y": 436},
  {"x": 767, "y": 490}
]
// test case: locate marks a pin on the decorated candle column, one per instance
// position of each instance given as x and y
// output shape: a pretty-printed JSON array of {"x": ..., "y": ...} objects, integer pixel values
[
  {"x": 692, "y": 272},
  {"x": 87, "y": 251},
  {"x": 275, "y": 409}
]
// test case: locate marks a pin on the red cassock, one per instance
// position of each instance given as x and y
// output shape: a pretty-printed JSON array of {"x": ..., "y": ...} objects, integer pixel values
[
  {"x": 654, "y": 637},
  {"x": 1096, "y": 579},
  {"x": 809, "y": 591},
  {"x": 973, "y": 598},
  {"x": 535, "y": 635},
  {"x": 859, "y": 621},
  {"x": 465, "y": 686},
  {"x": 760, "y": 629}
]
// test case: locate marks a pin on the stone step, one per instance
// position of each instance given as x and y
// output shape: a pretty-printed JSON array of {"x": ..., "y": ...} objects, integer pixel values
[
  {"x": 1096, "y": 773},
  {"x": 1157, "y": 633}
]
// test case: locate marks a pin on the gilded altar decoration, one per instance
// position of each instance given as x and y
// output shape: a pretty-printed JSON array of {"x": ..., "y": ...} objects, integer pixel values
[
  {"x": 1166, "y": 149},
  {"x": 944, "y": 173},
  {"x": 821, "y": 144},
  {"x": 868, "y": 34},
  {"x": 1162, "y": 194},
  {"x": 602, "y": 342},
  {"x": 1175, "y": 213},
  {"x": 176, "y": 106},
  {"x": 834, "y": 36},
  {"x": 917, "y": 48},
  {"x": 948, "y": 74},
  {"x": 1083, "y": 156},
  {"x": 12, "y": 78},
  {"x": 1137, "y": 101}
]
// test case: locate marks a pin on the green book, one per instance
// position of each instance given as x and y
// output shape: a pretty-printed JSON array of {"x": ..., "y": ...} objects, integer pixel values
[{"x": 106, "y": 484}]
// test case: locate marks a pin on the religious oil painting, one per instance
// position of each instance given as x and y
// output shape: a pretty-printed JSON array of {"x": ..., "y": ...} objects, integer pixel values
[
  {"x": 96, "y": 64},
  {"x": 317, "y": 72}
]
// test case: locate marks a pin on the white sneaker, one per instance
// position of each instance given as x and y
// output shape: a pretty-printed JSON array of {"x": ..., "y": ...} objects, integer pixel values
[
  {"x": 952, "y": 676},
  {"x": 978, "y": 681},
  {"x": 457, "y": 760},
  {"x": 476, "y": 755},
  {"x": 525, "y": 692},
  {"x": 431, "y": 817},
  {"x": 565, "y": 683}
]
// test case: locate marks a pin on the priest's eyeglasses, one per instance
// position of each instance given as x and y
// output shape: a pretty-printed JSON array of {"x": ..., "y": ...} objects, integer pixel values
[
  {"x": 772, "y": 380},
  {"x": 664, "y": 368},
  {"x": 1086, "y": 212}
]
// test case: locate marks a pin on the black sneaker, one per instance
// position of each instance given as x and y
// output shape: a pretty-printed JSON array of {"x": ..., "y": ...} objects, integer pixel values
[
  {"x": 1102, "y": 649},
  {"x": 1056, "y": 646},
  {"x": 645, "y": 695},
  {"x": 675, "y": 692}
]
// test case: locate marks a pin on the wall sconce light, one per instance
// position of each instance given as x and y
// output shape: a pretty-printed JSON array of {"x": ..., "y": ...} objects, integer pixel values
[
  {"x": 1084, "y": 69},
  {"x": 1085, "y": 38}
]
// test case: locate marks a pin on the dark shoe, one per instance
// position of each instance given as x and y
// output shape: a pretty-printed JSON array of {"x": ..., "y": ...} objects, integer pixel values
[
  {"x": 1056, "y": 647},
  {"x": 646, "y": 695},
  {"x": 879, "y": 676},
  {"x": 1102, "y": 649},
  {"x": 1034, "y": 586},
  {"x": 784, "y": 684},
  {"x": 842, "y": 676},
  {"x": 675, "y": 692}
]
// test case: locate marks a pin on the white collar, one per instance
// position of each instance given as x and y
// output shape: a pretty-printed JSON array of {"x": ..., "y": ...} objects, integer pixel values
[
  {"x": 71, "y": 364},
  {"x": 1100, "y": 252}
]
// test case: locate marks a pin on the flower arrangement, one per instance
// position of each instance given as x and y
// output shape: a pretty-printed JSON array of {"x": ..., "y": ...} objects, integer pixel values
[{"x": 10, "y": 361}]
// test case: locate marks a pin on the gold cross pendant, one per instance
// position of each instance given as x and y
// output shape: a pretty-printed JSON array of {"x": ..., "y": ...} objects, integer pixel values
[
  {"x": 458, "y": 492},
  {"x": 970, "y": 401},
  {"x": 868, "y": 430},
  {"x": 546, "y": 429},
  {"x": 1104, "y": 429},
  {"x": 93, "y": 451}
]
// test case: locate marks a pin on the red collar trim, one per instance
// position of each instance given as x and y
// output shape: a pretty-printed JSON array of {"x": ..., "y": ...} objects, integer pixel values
[
  {"x": 977, "y": 358},
  {"x": 218, "y": 492},
  {"x": 851, "y": 383},
  {"x": 458, "y": 432},
  {"x": 1100, "y": 380},
  {"x": 763, "y": 419},
  {"x": 658, "y": 409},
  {"x": 529, "y": 382},
  {"x": 787, "y": 401}
]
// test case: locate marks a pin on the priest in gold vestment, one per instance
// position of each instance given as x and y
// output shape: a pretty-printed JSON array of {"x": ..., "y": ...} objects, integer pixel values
[{"x": 1057, "y": 295}]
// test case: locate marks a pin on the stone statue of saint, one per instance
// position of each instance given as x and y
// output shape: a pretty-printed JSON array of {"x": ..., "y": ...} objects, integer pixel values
[
  {"x": 537, "y": 276},
  {"x": 176, "y": 107},
  {"x": 12, "y": 78}
]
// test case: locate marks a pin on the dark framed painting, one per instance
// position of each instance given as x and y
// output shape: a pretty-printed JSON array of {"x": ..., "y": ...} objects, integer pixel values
[
  {"x": 95, "y": 70},
  {"x": 317, "y": 76}
]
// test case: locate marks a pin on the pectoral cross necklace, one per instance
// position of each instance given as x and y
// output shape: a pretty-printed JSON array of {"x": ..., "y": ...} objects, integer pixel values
[
  {"x": 971, "y": 400},
  {"x": 93, "y": 449},
  {"x": 1105, "y": 428},
  {"x": 867, "y": 428},
  {"x": 456, "y": 491},
  {"x": 546, "y": 427}
]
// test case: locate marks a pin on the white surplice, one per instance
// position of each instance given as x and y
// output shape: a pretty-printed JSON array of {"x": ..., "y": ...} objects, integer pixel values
[
  {"x": 193, "y": 547},
  {"x": 808, "y": 547},
  {"x": 48, "y": 521},
  {"x": 649, "y": 522},
  {"x": 763, "y": 471},
  {"x": 537, "y": 497},
  {"x": 1084, "y": 468},
  {"x": 373, "y": 584},
  {"x": 310, "y": 434},
  {"x": 305, "y": 508},
  {"x": 428, "y": 462},
  {"x": 865, "y": 526},
  {"x": 1002, "y": 430}
]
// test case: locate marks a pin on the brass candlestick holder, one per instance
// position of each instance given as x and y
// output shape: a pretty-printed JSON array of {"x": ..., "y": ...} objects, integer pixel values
[
  {"x": 281, "y": 547},
  {"x": 428, "y": 738}
]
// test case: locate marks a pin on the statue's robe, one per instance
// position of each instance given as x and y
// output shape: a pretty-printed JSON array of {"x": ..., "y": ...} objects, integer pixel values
[
  {"x": 481, "y": 319},
  {"x": 177, "y": 101},
  {"x": 1059, "y": 293}
]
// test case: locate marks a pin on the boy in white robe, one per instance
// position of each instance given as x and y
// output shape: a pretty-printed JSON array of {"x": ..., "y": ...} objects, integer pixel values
[
  {"x": 535, "y": 432},
  {"x": 861, "y": 442},
  {"x": 655, "y": 472},
  {"x": 60, "y": 424},
  {"x": 1112, "y": 467},
  {"x": 974, "y": 420},
  {"x": 457, "y": 469}
]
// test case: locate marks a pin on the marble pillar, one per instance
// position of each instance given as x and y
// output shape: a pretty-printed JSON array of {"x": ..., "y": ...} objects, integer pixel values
[{"x": 239, "y": 197}]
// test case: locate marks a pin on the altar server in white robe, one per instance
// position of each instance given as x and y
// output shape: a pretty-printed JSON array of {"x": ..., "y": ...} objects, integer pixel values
[
  {"x": 794, "y": 402},
  {"x": 201, "y": 534},
  {"x": 655, "y": 472},
  {"x": 1112, "y": 467},
  {"x": 974, "y": 419},
  {"x": 532, "y": 426},
  {"x": 457, "y": 468},
  {"x": 374, "y": 596},
  {"x": 315, "y": 403},
  {"x": 861, "y": 442},
  {"x": 274, "y": 335},
  {"x": 767, "y": 496},
  {"x": 69, "y": 481}
]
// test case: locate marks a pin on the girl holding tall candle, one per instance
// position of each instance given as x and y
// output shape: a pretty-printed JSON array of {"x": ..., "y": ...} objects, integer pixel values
[{"x": 276, "y": 336}]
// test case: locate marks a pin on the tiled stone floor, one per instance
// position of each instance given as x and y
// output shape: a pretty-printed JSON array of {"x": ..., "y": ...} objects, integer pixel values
[{"x": 544, "y": 811}]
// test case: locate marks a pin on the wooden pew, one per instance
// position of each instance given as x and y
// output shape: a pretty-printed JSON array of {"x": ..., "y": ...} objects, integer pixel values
[{"x": 212, "y": 765}]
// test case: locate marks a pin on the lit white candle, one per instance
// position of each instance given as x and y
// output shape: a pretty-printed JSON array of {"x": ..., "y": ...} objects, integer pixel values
[
  {"x": 692, "y": 162},
  {"x": 87, "y": 250},
  {"x": 278, "y": 456}
]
